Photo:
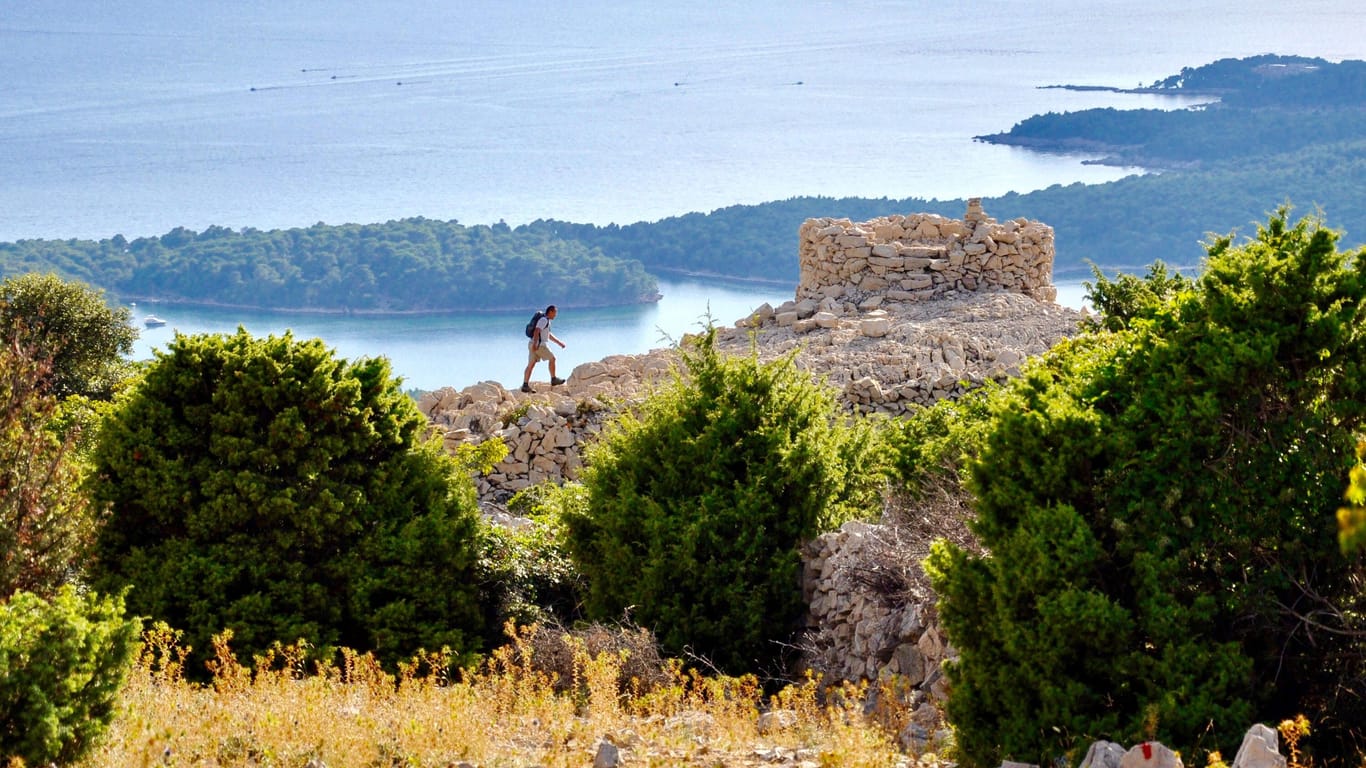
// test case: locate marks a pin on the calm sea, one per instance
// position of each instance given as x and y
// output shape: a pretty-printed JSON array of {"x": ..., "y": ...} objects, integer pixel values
[
  {"x": 140, "y": 116},
  {"x": 435, "y": 351}
]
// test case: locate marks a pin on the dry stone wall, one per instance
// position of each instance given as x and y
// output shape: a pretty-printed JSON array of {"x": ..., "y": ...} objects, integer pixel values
[
  {"x": 871, "y": 631},
  {"x": 923, "y": 256},
  {"x": 856, "y": 631}
]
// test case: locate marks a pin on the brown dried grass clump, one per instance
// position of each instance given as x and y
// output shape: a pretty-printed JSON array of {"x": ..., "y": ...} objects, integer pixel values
[
  {"x": 911, "y": 524},
  {"x": 289, "y": 710},
  {"x": 559, "y": 652}
]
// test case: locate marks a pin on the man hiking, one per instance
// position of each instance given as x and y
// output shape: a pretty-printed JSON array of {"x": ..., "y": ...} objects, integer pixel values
[{"x": 538, "y": 348}]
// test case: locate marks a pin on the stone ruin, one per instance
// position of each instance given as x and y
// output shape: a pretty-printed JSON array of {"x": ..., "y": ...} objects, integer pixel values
[
  {"x": 922, "y": 257},
  {"x": 894, "y": 313}
]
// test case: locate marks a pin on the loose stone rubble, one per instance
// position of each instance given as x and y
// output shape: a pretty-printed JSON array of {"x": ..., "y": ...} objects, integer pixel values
[{"x": 894, "y": 314}]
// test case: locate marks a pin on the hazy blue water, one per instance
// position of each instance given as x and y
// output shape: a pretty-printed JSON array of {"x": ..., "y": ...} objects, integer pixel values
[
  {"x": 140, "y": 116},
  {"x": 434, "y": 351},
  {"x": 136, "y": 117}
]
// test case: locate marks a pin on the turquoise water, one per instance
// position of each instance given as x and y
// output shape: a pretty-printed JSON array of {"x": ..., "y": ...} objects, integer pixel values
[
  {"x": 138, "y": 117},
  {"x": 435, "y": 351}
]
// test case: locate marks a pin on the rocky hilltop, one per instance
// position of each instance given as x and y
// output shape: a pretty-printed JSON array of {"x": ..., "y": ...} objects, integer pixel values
[{"x": 894, "y": 314}]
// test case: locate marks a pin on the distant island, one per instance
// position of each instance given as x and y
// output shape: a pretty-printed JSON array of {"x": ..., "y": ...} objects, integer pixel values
[
  {"x": 1260, "y": 105},
  {"x": 1277, "y": 129}
]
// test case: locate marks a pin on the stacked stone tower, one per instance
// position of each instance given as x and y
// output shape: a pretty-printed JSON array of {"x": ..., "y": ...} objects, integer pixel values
[{"x": 923, "y": 256}]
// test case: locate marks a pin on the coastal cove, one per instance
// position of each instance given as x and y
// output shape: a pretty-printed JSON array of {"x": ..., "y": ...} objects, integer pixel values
[
  {"x": 285, "y": 115},
  {"x": 460, "y": 349}
]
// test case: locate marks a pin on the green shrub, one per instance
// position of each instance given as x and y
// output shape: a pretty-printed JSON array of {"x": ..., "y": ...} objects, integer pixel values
[
  {"x": 1127, "y": 298},
  {"x": 61, "y": 665},
  {"x": 930, "y": 445},
  {"x": 525, "y": 574},
  {"x": 69, "y": 324},
  {"x": 263, "y": 486},
  {"x": 1156, "y": 503},
  {"x": 698, "y": 504}
]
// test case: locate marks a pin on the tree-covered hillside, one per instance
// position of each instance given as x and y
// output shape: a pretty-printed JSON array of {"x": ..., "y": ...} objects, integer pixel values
[
  {"x": 412, "y": 265},
  {"x": 1262, "y": 105},
  {"x": 1231, "y": 166},
  {"x": 1121, "y": 225}
]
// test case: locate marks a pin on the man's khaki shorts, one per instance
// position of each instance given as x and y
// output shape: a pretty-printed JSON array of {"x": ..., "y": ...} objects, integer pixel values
[{"x": 535, "y": 353}]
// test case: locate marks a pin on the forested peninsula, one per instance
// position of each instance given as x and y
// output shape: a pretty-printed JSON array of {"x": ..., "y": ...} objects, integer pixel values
[
  {"x": 1258, "y": 106},
  {"x": 1277, "y": 130},
  {"x": 409, "y": 266}
]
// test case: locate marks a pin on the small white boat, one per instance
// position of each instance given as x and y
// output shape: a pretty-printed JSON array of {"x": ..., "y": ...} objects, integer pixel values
[{"x": 152, "y": 321}]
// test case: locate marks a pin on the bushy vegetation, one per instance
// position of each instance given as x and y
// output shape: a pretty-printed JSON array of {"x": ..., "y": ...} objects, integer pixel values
[
  {"x": 62, "y": 661},
  {"x": 67, "y": 325},
  {"x": 1154, "y": 500},
  {"x": 1129, "y": 297},
  {"x": 264, "y": 486},
  {"x": 698, "y": 503},
  {"x": 45, "y": 521},
  {"x": 526, "y": 575},
  {"x": 929, "y": 444},
  {"x": 62, "y": 652}
]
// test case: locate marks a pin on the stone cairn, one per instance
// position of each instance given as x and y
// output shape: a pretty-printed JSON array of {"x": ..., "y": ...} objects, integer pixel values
[
  {"x": 894, "y": 313},
  {"x": 924, "y": 256}
]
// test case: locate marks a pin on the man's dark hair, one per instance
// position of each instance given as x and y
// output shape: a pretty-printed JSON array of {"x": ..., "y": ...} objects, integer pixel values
[{"x": 549, "y": 308}]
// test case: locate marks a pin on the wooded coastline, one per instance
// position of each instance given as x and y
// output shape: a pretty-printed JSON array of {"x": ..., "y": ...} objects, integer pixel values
[{"x": 1285, "y": 130}]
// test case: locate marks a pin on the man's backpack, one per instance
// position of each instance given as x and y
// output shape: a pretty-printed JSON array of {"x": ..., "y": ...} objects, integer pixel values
[{"x": 531, "y": 326}]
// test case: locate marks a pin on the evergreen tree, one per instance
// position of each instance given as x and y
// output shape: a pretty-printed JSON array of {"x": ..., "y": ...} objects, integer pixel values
[
  {"x": 697, "y": 505},
  {"x": 69, "y": 324},
  {"x": 1156, "y": 501},
  {"x": 264, "y": 486}
]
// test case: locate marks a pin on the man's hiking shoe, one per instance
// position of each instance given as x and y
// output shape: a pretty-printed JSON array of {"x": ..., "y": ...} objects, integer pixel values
[
  {"x": 526, "y": 387},
  {"x": 554, "y": 382}
]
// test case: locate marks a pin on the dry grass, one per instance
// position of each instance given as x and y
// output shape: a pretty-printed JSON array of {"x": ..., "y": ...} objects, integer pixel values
[{"x": 514, "y": 711}]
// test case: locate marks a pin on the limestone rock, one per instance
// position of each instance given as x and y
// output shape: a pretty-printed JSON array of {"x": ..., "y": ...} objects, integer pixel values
[
  {"x": 608, "y": 755},
  {"x": 1103, "y": 754},
  {"x": 1260, "y": 749}
]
